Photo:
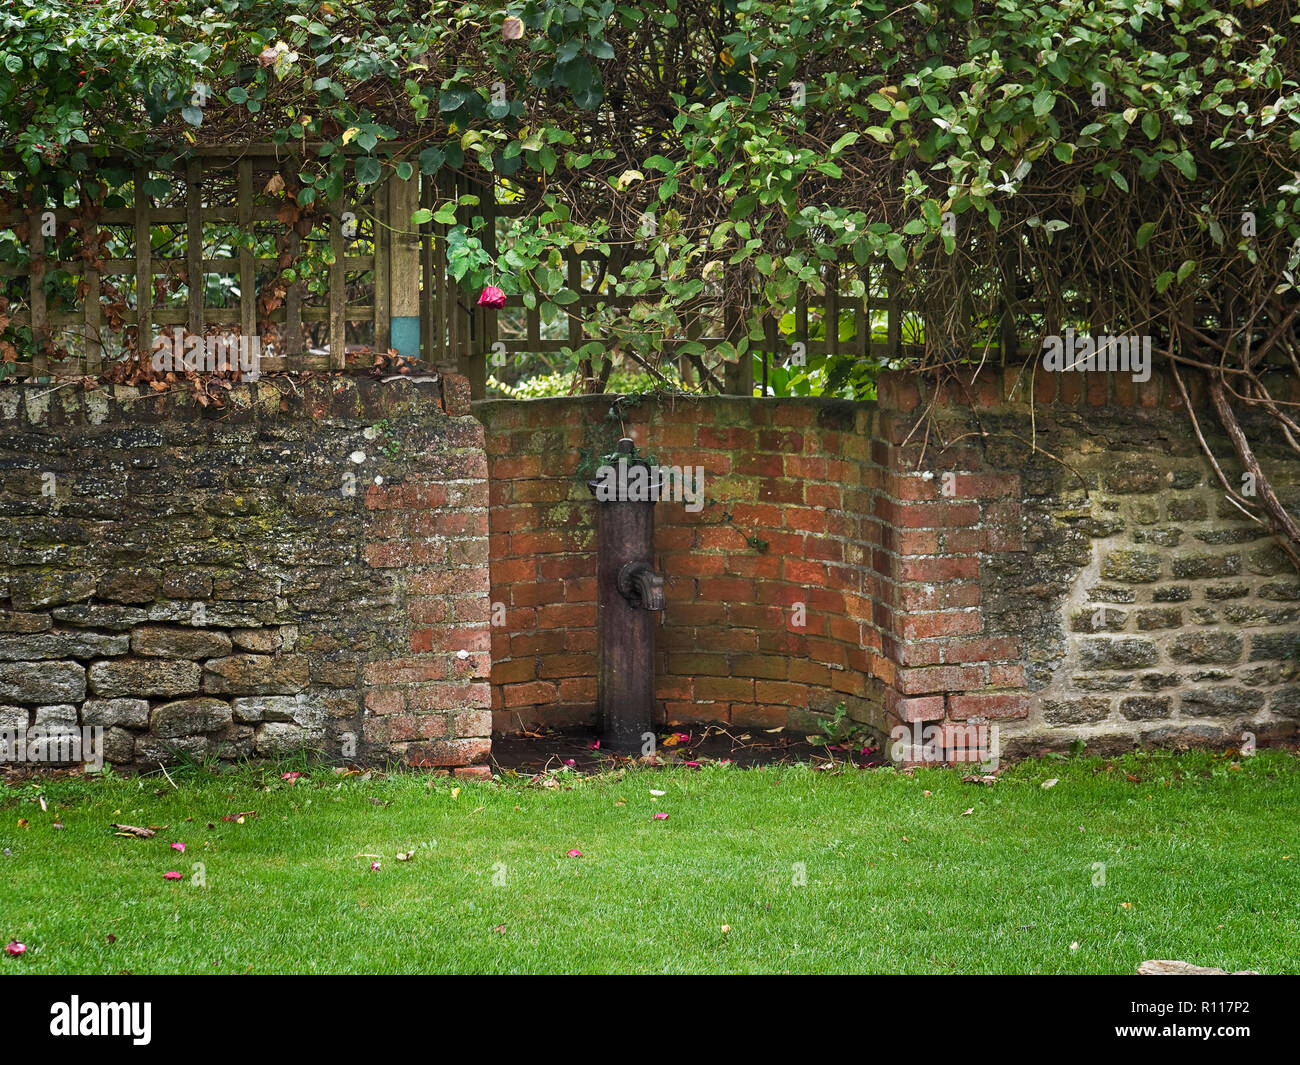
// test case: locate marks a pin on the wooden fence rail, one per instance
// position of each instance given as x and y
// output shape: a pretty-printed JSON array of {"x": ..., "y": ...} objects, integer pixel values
[{"x": 379, "y": 285}]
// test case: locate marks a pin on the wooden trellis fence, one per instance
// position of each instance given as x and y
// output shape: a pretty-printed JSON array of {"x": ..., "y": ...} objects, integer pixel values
[
  {"x": 370, "y": 279},
  {"x": 92, "y": 332},
  {"x": 715, "y": 323}
]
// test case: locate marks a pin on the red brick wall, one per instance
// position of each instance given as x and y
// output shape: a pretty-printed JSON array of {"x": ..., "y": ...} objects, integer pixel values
[
  {"x": 787, "y": 520},
  {"x": 942, "y": 512}
]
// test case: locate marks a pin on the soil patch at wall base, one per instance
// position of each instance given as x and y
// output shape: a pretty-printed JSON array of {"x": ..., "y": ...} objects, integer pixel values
[{"x": 532, "y": 753}]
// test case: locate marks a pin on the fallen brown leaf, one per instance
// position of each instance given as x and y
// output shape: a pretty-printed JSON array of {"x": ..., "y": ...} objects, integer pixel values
[{"x": 136, "y": 831}]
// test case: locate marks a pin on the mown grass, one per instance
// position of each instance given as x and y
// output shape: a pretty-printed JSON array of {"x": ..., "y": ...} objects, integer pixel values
[{"x": 809, "y": 871}]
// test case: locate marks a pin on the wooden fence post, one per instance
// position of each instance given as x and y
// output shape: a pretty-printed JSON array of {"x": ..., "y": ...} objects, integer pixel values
[
  {"x": 380, "y": 243},
  {"x": 91, "y": 312},
  {"x": 36, "y": 272},
  {"x": 247, "y": 268},
  {"x": 337, "y": 290},
  {"x": 143, "y": 270},
  {"x": 404, "y": 264},
  {"x": 471, "y": 326},
  {"x": 491, "y": 327},
  {"x": 194, "y": 243},
  {"x": 433, "y": 264}
]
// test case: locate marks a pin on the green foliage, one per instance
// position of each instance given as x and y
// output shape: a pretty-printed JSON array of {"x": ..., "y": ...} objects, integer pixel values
[
  {"x": 391, "y": 446},
  {"x": 1107, "y": 147},
  {"x": 563, "y": 383},
  {"x": 73, "y": 72},
  {"x": 842, "y": 730}
]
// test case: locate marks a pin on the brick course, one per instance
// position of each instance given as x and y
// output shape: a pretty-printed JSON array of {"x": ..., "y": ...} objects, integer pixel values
[{"x": 767, "y": 585}]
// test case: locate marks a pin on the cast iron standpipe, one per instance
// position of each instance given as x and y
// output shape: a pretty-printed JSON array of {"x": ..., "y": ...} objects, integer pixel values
[{"x": 628, "y": 593}]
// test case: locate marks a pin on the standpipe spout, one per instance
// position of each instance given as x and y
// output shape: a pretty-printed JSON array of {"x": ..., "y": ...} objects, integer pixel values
[{"x": 641, "y": 586}]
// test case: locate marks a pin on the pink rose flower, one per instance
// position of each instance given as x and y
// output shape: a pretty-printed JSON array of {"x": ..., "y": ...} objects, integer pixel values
[{"x": 492, "y": 297}]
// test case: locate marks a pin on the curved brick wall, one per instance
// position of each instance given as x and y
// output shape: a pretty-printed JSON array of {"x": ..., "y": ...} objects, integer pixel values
[
  {"x": 197, "y": 582},
  {"x": 787, "y": 520}
]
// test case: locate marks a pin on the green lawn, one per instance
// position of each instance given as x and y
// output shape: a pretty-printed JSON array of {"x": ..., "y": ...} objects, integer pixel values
[{"x": 810, "y": 871}]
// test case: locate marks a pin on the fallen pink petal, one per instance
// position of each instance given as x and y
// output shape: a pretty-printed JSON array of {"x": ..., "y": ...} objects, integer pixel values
[
  {"x": 575, "y": 853},
  {"x": 179, "y": 847},
  {"x": 661, "y": 817},
  {"x": 492, "y": 297},
  {"x": 290, "y": 776},
  {"x": 374, "y": 867},
  {"x": 173, "y": 875},
  {"x": 692, "y": 765},
  {"x": 14, "y": 948}
]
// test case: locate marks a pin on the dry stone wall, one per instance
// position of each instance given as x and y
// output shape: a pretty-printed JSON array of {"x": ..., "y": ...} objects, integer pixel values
[{"x": 303, "y": 569}]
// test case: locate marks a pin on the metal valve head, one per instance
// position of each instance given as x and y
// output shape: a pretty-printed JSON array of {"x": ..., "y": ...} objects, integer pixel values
[{"x": 641, "y": 586}]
